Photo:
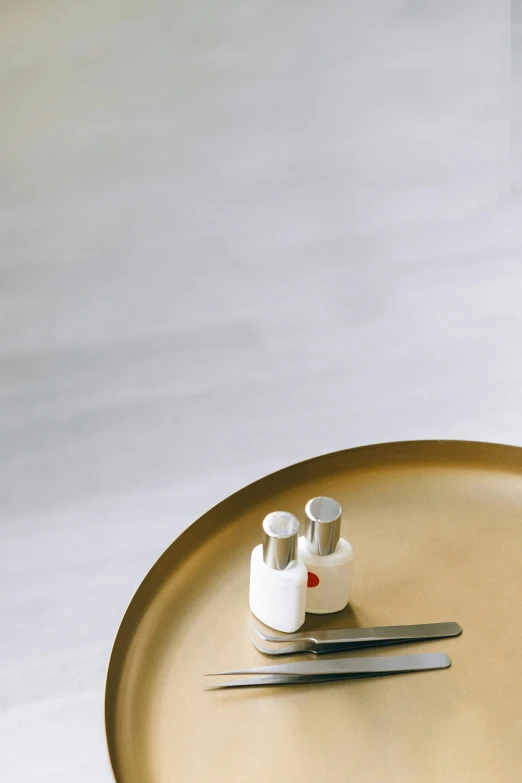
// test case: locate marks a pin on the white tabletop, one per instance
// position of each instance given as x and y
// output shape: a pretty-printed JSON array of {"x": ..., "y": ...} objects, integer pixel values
[{"x": 233, "y": 235}]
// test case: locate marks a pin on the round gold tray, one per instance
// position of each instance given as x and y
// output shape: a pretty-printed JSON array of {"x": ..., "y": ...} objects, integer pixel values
[{"x": 436, "y": 528}]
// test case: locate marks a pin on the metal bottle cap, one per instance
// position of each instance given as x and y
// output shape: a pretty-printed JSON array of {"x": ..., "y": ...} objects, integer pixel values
[
  {"x": 323, "y": 525},
  {"x": 280, "y": 532}
]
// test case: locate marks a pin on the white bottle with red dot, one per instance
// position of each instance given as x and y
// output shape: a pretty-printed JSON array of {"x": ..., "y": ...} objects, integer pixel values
[
  {"x": 278, "y": 578},
  {"x": 327, "y": 556}
]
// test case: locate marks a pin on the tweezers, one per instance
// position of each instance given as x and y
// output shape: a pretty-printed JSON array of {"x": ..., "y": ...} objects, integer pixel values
[
  {"x": 351, "y": 639},
  {"x": 327, "y": 671}
]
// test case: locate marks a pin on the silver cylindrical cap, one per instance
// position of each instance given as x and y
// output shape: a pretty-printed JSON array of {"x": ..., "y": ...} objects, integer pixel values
[
  {"x": 280, "y": 533},
  {"x": 323, "y": 525}
]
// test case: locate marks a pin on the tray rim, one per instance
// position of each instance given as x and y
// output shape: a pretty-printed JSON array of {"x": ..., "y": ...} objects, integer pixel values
[{"x": 427, "y": 449}]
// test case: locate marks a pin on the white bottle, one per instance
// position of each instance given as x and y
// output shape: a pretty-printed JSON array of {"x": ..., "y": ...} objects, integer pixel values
[
  {"x": 327, "y": 556},
  {"x": 277, "y": 577}
]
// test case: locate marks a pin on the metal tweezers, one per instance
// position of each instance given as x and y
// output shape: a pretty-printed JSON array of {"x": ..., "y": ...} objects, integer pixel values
[
  {"x": 328, "y": 671},
  {"x": 351, "y": 639}
]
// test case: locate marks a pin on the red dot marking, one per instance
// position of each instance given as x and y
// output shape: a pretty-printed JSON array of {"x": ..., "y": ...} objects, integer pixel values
[{"x": 313, "y": 579}]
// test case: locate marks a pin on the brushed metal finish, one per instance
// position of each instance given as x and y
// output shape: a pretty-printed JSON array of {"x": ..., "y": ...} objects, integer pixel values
[
  {"x": 280, "y": 536},
  {"x": 437, "y": 530},
  {"x": 274, "y": 679},
  {"x": 362, "y": 636},
  {"x": 323, "y": 525},
  {"x": 389, "y": 664},
  {"x": 268, "y": 648},
  {"x": 368, "y": 667}
]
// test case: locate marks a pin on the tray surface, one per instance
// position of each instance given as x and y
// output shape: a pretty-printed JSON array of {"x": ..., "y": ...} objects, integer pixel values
[{"x": 436, "y": 528}]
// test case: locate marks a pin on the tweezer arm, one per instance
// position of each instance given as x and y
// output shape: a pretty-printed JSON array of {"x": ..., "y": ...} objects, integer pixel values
[
  {"x": 359, "y": 637},
  {"x": 280, "y": 679},
  {"x": 352, "y": 666},
  {"x": 347, "y": 668}
]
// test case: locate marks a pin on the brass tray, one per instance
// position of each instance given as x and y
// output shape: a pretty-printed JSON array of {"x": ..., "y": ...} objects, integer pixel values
[{"x": 436, "y": 528}]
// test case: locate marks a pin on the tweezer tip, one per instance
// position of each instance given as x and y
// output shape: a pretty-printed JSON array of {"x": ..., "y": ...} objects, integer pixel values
[{"x": 265, "y": 637}]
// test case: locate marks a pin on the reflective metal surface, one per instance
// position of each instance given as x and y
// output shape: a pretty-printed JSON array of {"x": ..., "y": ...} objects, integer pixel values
[
  {"x": 323, "y": 671},
  {"x": 289, "y": 679},
  {"x": 352, "y": 639},
  {"x": 389, "y": 664},
  {"x": 362, "y": 636},
  {"x": 323, "y": 525},
  {"x": 280, "y": 535},
  {"x": 437, "y": 531}
]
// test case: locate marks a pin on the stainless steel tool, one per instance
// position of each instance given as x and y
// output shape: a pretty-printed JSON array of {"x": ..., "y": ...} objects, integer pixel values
[
  {"x": 339, "y": 669},
  {"x": 350, "y": 639}
]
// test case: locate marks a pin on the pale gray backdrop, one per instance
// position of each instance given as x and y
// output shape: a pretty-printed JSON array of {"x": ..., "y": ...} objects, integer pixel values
[{"x": 233, "y": 235}]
